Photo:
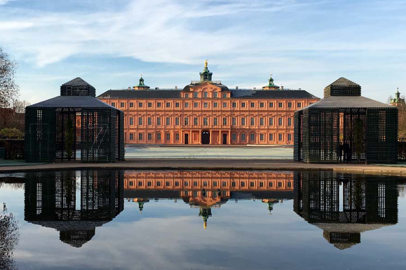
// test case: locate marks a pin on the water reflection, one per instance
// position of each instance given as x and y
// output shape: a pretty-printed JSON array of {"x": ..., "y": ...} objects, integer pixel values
[
  {"x": 344, "y": 206},
  {"x": 73, "y": 203},
  {"x": 205, "y": 190}
]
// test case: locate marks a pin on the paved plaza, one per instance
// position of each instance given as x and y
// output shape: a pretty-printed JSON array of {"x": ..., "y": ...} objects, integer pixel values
[{"x": 202, "y": 152}]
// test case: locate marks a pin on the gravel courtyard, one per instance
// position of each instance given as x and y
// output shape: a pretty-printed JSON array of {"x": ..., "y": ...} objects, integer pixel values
[{"x": 201, "y": 152}]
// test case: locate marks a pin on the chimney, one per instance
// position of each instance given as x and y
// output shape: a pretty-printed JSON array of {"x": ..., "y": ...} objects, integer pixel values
[
  {"x": 156, "y": 88},
  {"x": 176, "y": 88},
  {"x": 255, "y": 88},
  {"x": 300, "y": 88},
  {"x": 236, "y": 88},
  {"x": 129, "y": 88},
  {"x": 281, "y": 87}
]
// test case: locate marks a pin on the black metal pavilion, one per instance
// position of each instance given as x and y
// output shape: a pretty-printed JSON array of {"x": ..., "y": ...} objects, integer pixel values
[
  {"x": 55, "y": 129},
  {"x": 367, "y": 127}
]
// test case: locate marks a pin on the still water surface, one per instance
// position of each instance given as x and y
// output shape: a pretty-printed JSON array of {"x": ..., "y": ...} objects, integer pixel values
[{"x": 201, "y": 220}]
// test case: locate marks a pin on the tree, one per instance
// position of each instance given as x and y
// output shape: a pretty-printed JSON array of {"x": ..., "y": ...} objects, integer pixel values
[
  {"x": 8, "y": 88},
  {"x": 9, "y": 237}
]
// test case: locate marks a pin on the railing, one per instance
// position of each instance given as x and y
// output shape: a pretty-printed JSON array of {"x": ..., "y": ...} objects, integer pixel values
[{"x": 199, "y": 82}]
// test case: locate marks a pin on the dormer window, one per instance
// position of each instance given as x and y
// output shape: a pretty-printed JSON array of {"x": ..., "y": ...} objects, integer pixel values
[
  {"x": 205, "y": 94},
  {"x": 215, "y": 94}
]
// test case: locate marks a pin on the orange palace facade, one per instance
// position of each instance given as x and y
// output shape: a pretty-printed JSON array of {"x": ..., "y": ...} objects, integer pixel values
[{"x": 208, "y": 112}]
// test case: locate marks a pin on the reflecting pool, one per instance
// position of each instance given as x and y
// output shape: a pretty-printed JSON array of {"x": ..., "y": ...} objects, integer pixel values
[{"x": 115, "y": 219}]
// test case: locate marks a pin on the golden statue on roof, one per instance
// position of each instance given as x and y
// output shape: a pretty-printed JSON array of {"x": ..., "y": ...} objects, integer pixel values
[{"x": 206, "y": 63}]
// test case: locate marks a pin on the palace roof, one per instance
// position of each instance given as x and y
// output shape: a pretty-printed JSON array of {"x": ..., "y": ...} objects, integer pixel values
[{"x": 235, "y": 93}]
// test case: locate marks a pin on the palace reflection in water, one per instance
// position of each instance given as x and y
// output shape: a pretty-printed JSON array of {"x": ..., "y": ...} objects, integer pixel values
[{"x": 343, "y": 206}]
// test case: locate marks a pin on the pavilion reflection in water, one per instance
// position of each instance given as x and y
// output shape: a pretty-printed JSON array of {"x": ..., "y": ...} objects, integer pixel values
[
  {"x": 344, "y": 206},
  {"x": 208, "y": 189},
  {"x": 74, "y": 203}
]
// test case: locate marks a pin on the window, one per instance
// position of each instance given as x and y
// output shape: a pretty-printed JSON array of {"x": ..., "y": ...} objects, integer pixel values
[
  {"x": 140, "y": 183},
  {"x": 270, "y": 104},
  {"x": 149, "y": 104},
  {"x": 299, "y": 105},
  {"x": 176, "y": 183},
  {"x": 243, "y": 121},
  {"x": 215, "y": 121},
  {"x": 271, "y": 121},
  {"x": 261, "y": 105},
  {"x": 252, "y": 184},
  {"x": 261, "y": 121},
  {"x": 214, "y": 184},
  {"x": 289, "y": 121},
  {"x": 167, "y": 183},
  {"x": 234, "y": 104},
  {"x": 271, "y": 137},
  {"x": 195, "y": 94},
  {"x": 195, "y": 105},
  {"x": 177, "y": 136},
  {"x": 177, "y": 121},
  {"x": 149, "y": 121},
  {"x": 186, "y": 105},
  {"x": 140, "y": 136},
  {"x": 280, "y": 121},
  {"x": 234, "y": 137},
  {"x": 261, "y": 137},
  {"x": 215, "y": 94},
  {"x": 195, "y": 183},
  {"x": 186, "y": 184},
  {"x": 140, "y": 121},
  {"x": 205, "y": 94},
  {"x": 168, "y": 136},
  {"x": 205, "y": 104},
  {"x": 252, "y": 104},
  {"x": 224, "y": 105},
  {"x": 270, "y": 184},
  {"x": 168, "y": 105},
  {"x": 243, "y": 105},
  {"x": 205, "y": 121},
  {"x": 186, "y": 95},
  {"x": 261, "y": 184},
  {"x": 186, "y": 121},
  {"x": 224, "y": 184},
  {"x": 205, "y": 183},
  {"x": 252, "y": 137},
  {"x": 242, "y": 184},
  {"x": 149, "y": 183},
  {"x": 289, "y": 137},
  {"x": 168, "y": 121},
  {"x": 280, "y": 105},
  {"x": 140, "y": 105},
  {"x": 158, "y": 136},
  {"x": 149, "y": 136},
  {"x": 234, "y": 121},
  {"x": 252, "y": 121},
  {"x": 177, "y": 104},
  {"x": 158, "y": 121},
  {"x": 243, "y": 137},
  {"x": 280, "y": 137},
  {"x": 195, "y": 121},
  {"x": 131, "y": 136},
  {"x": 158, "y": 184},
  {"x": 224, "y": 121},
  {"x": 113, "y": 104},
  {"x": 233, "y": 184},
  {"x": 215, "y": 105},
  {"x": 289, "y": 104},
  {"x": 131, "y": 104},
  {"x": 131, "y": 121},
  {"x": 279, "y": 184},
  {"x": 122, "y": 104},
  {"x": 158, "y": 105},
  {"x": 224, "y": 95}
]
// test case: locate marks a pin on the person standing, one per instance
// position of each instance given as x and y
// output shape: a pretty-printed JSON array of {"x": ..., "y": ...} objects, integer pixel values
[{"x": 340, "y": 152}]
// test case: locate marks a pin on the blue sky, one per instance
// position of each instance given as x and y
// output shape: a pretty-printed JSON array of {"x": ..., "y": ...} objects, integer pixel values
[{"x": 109, "y": 43}]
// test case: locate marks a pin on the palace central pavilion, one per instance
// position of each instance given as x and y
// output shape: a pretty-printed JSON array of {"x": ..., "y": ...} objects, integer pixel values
[{"x": 208, "y": 112}]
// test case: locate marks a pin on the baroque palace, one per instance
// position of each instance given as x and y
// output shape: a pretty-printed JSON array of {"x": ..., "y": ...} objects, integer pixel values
[{"x": 208, "y": 112}]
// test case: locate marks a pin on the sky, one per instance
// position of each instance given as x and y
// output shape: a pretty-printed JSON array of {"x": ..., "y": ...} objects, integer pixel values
[{"x": 305, "y": 44}]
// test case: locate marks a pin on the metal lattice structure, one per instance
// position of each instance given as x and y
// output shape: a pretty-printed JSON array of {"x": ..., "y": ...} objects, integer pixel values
[
  {"x": 368, "y": 127},
  {"x": 51, "y": 201},
  {"x": 57, "y": 128},
  {"x": 344, "y": 205}
]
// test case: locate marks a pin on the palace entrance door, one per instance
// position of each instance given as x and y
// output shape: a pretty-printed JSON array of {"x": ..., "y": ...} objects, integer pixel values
[
  {"x": 205, "y": 137},
  {"x": 186, "y": 138},
  {"x": 224, "y": 138}
]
